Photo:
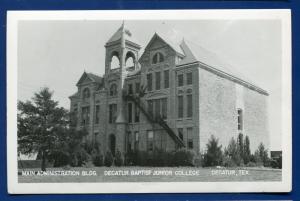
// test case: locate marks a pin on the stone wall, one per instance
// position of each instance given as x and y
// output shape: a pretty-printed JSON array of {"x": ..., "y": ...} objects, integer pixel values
[{"x": 217, "y": 110}]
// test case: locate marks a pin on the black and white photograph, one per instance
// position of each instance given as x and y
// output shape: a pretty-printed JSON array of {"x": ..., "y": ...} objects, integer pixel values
[{"x": 156, "y": 101}]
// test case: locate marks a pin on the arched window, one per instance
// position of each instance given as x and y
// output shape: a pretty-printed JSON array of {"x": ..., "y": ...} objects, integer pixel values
[
  {"x": 115, "y": 62},
  {"x": 86, "y": 93},
  {"x": 113, "y": 90},
  {"x": 158, "y": 58},
  {"x": 130, "y": 61}
]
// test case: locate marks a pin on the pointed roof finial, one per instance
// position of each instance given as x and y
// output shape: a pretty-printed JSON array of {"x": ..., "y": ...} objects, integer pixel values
[{"x": 123, "y": 24}]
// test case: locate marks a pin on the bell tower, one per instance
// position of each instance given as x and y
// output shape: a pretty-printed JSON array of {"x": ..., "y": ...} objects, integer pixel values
[{"x": 120, "y": 49}]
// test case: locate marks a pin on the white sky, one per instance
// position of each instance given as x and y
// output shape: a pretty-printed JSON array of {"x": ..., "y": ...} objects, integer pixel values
[{"x": 56, "y": 53}]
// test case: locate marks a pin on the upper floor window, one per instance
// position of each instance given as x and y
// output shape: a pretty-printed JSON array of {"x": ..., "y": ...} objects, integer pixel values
[
  {"x": 97, "y": 114},
  {"x": 157, "y": 80},
  {"x": 189, "y": 78},
  {"x": 240, "y": 119},
  {"x": 158, "y": 58},
  {"x": 166, "y": 78},
  {"x": 180, "y": 80},
  {"x": 112, "y": 113},
  {"x": 86, "y": 93},
  {"x": 113, "y": 90},
  {"x": 130, "y": 89},
  {"x": 149, "y": 81},
  {"x": 189, "y": 106}
]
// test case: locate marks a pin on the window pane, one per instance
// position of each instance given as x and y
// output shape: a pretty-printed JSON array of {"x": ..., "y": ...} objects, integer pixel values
[
  {"x": 164, "y": 108},
  {"x": 161, "y": 57},
  {"x": 189, "y": 78},
  {"x": 136, "y": 113},
  {"x": 190, "y": 143},
  {"x": 130, "y": 89},
  {"x": 137, "y": 87},
  {"x": 97, "y": 115},
  {"x": 180, "y": 80},
  {"x": 150, "y": 107},
  {"x": 166, "y": 80},
  {"x": 157, "y": 107},
  {"x": 129, "y": 112},
  {"x": 189, "y": 105},
  {"x": 150, "y": 140},
  {"x": 180, "y": 106},
  {"x": 240, "y": 119},
  {"x": 157, "y": 80},
  {"x": 149, "y": 82},
  {"x": 155, "y": 59}
]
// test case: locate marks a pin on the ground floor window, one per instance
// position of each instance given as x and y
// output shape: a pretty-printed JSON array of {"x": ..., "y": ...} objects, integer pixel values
[
  {"x": 136, "y": 140},
  {"x": 190, "y": 143},
  {"x": 150, "y": 136}
]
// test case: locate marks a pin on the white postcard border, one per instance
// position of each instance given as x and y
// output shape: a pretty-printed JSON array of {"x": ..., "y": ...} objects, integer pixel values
[{"x": 147, "y": 187}]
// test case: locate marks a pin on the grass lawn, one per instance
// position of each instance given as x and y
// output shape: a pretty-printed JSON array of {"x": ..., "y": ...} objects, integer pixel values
[{"x": 151, "y": 174}]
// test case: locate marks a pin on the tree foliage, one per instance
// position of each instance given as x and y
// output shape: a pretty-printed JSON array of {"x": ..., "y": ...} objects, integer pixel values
[
  {"x": 214, "y": 154},
  {"x": 41, "y": 125}
]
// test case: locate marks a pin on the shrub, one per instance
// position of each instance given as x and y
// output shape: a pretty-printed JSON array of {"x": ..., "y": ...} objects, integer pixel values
[
  {"x": 108, "y": 159},
  {"x": 183, "y": 157},
  {"x": 59, "y": 158},
  {"x": 228, "y": 162},
  {"x": 251, "y": 164},
  {"x": 82, "y": 157},
  {"x": 214, "y": 154},
  {"x": 119, "y": 160},
  {"x": 198, "y": 160},
  {"x": 98, "y": 160}
]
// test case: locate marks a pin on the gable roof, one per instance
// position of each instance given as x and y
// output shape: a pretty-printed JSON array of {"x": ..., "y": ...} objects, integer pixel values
[
  {"x": 118, "y": 35},
  {"x": 91, "y": 76},
  {"x": 172, "y": 44},
  {"x": 195, "y": 53}
]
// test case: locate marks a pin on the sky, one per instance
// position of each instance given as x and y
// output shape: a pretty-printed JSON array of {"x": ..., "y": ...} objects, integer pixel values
[{"x": 54, "y": 54}]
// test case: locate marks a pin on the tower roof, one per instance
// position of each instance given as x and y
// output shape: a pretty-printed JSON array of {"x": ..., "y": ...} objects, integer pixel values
[{"x": 127, "y": 34}]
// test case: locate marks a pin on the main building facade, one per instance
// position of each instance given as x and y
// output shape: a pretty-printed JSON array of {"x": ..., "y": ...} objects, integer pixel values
[{"x": 170, "y": 96}]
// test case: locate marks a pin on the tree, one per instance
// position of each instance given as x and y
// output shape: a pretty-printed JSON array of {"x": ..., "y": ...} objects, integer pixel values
[
  {"x": 41, "y": 125},
  {"x": 214, "y": 154},
  {"x": 247, "y": 152},
  {"x": 240, "y": 143},
  {"x": 261, "y": 155},
  {"x": 232, "y": 151}
]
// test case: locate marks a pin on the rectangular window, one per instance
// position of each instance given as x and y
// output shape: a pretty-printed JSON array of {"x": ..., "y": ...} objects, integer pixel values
[
  {"x": 136, "y": 113},
  {"x": 129, "y": 112},
  {"x": 189, "y": 78},
  {"x": 97, "y": 114},
  {"x": 150, "y": 107},
  {"x": 240, "y": 119},
  {"x": 130, "y": 89},
  {"x": 85, "y": 115},
  {"x": 137, "y": 87},
  {"x": 136, "y": 140},
  {"x": 189, "y": 102},
  {"x": 157, "y": 107},
  {"x": 180, "y": 133},
  {"x": 166, "y": 79},
  {"x": 112, "y": 113},
  {"x": 190, "y": 143},
  {"x": 129, "y": 140},
  {"x": 157, "y": 80},
  {"x": 149, "y": 82},
  {"x": 164, "y": 108},
  {"x": 150, "y": 140},
  {"x": 180, "y": 80},
  {"x": 180, "y": 106}
]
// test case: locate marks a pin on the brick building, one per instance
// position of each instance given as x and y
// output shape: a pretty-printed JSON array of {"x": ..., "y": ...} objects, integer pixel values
[{"x": 169, "y": 96}]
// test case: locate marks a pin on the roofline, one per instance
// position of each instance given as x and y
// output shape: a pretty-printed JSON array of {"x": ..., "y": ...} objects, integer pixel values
[
  {"x": 126, "y": 41},
  {"x": 227, "y": 76}
]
